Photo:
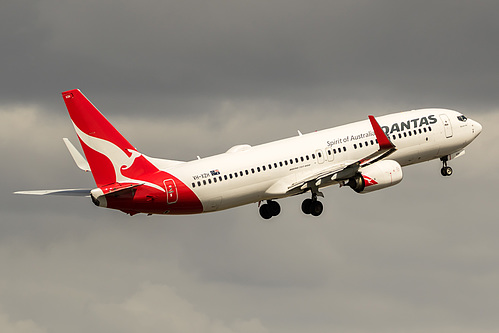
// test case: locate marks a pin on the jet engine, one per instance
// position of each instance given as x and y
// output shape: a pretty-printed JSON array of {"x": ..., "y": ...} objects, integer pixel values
[{"x": 376, "y": 176}]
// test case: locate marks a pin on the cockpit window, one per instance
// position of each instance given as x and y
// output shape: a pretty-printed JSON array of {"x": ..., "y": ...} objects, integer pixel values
[{"x": 462, "y": 118}]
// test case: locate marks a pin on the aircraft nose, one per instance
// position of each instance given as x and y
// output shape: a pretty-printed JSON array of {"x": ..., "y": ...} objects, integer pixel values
[{"x": 477, "y": 127}]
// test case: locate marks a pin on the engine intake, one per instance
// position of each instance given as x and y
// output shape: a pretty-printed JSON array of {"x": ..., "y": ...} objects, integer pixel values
[{"x": 376, "y": 177}]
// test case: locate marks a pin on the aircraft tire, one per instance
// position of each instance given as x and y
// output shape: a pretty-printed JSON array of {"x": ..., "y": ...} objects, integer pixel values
[
  {"x": 306, "y": 206},
  {"x": 446, "y": 171},
  {"x": 265, "y": 211},
  {"x": 274, "y": 207},
  {"x": 316, "y": 208}
]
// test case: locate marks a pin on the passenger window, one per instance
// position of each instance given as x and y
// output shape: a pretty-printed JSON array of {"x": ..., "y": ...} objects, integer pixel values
[
  {"x": 209, "y": 180},
  {"x": 193, "y": 185},
  {"x": 199, "y": 183},
  {"x": 204, "y": 182},
  {"x": 280, "y": 164},
  {"x": 354, "y": 146},
  {"x": 258, "y": 169}
]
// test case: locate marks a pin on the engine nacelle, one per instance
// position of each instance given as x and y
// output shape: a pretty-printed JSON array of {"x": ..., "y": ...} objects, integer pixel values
[{"x": 376, "y": 176}]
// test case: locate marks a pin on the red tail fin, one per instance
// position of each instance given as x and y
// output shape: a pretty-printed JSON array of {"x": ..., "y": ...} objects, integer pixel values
[{"x": 108, "y": 153}]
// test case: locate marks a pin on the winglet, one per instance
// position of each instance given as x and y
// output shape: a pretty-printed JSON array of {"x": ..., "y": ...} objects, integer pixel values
[{"x": 383, "y": 141}]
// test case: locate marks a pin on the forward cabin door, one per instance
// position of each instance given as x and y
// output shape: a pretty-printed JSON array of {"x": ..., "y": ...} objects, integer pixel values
[{"x": 447, "y": 125}]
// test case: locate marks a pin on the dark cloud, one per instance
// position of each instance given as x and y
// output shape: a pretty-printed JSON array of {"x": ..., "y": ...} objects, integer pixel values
[{"x": 412, "y": 53}]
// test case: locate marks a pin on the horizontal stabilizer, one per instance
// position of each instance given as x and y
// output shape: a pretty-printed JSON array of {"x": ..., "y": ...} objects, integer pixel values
[
  {"x": 80, "y": 161},
  {"x": 80, "y": 192}
]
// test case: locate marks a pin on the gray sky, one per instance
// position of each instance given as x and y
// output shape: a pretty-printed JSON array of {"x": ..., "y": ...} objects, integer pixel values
[{"x": 187, "y": 78}]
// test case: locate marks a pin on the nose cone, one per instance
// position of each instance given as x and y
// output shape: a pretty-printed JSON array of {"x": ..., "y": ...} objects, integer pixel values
[{"x": 476, "y": 128}]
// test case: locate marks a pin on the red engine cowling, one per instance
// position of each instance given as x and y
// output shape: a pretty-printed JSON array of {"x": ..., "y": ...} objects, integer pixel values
[{"x": 376, "y": 176}]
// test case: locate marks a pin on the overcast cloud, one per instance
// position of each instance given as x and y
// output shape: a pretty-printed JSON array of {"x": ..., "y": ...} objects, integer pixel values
[{"x": 187, "y": 78}]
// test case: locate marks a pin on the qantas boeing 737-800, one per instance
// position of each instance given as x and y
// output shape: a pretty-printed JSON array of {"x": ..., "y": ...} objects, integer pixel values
[{"x": 366, "y": 156}]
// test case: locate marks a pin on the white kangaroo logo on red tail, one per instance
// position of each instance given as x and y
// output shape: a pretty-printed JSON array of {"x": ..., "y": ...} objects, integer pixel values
[{"x": 116, "y": 155}]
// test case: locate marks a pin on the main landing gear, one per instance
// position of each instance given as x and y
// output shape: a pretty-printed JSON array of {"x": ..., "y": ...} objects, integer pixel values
[
  {"x": 312, "y": 206},
  {"x": 271, "y": 208},
  {"x": 446, "y": 170}
]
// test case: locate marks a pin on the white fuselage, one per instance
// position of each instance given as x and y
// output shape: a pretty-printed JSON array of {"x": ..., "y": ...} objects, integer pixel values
[{"x": 246, "y": 174}]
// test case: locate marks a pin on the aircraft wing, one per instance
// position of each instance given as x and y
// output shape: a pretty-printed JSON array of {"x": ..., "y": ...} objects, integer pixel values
[{"x": 345, "y": 171}]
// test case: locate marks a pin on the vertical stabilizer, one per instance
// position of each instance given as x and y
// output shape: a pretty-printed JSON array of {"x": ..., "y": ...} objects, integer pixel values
[{"x": 108, "y": 153}]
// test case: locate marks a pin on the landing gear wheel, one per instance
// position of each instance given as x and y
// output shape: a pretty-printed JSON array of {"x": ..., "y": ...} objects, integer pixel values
[
  {"x": 271, "y": 208},
  {"x": 275, "y": 208},
  {"x": 306, "y": 206},
  {"x": 316, "y": 208},
  {"x": 446, "y": 171},
  {"x": 265, "y": 211}
]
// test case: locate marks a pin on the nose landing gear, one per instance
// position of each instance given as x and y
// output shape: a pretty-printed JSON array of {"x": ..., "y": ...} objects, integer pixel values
[{"x": 446, "y": 170}]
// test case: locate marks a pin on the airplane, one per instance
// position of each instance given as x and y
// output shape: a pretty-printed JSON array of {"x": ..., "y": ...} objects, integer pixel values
[{"x": 365, "y": 156}]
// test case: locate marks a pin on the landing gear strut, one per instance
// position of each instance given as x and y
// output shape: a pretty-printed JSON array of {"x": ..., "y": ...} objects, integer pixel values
[
  {"x": 446, "y": 170},
  {"x": 271, "y": 208},
  {"x": 312, "y": 206}
]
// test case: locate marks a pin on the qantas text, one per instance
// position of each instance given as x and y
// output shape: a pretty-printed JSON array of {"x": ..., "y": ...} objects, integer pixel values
[{"x": 410, "y": 124}]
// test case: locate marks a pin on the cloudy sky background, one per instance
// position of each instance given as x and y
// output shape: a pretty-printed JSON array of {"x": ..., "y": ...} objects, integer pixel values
[{"x": 187, "y": 78}]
